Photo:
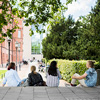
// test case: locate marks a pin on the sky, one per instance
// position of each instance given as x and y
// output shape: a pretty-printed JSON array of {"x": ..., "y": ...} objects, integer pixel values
[
  {"x": 76, "y": 9},
  {"x": 79, "y": 8}
]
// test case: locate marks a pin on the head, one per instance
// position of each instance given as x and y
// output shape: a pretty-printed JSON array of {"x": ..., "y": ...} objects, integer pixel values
[
  {"x": 11, "y": 66},
  {"x": 90, "y": 64},
  {"x": 33, "y": 69},
  {"x": 53, "y": 68}
]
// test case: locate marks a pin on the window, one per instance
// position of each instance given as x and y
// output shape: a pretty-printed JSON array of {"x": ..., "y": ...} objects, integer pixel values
[{"x": 19, "y": 34}]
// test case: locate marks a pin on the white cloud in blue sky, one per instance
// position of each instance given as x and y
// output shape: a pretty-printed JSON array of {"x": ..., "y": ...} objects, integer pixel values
[{"x": 79, "y": 8}]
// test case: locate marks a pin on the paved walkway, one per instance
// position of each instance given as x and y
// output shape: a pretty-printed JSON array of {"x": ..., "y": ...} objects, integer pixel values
[{"x": 47, "y": 93}]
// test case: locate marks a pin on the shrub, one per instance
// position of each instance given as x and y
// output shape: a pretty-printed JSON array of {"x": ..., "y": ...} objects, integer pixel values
[{"x": 68, "y": 68}]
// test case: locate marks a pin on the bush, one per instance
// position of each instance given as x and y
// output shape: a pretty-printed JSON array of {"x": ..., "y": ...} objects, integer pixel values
[{"x": 68, "y": 68}]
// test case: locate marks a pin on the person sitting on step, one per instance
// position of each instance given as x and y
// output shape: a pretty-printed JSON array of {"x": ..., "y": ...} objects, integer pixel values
[
  {"x": 90, "y": 75},
  {"x": 11, "y": 77},
  {"x": 53, "y": 75},
  {"x": 34, "y": 78}
]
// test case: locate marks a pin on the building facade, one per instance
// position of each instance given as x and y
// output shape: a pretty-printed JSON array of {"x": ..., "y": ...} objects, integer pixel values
[
  {"x": 4, "y": 49},
  {"x": 32, "y": 45}
]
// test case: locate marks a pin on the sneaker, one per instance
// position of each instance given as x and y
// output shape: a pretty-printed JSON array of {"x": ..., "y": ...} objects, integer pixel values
[
  {"x": 79, "y": 85},
  {"x": 73, "y": 84},
  {"x": 68, "y": 85}
]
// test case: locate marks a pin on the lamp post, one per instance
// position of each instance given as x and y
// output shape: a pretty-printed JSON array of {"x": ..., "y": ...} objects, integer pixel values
[
  {"x": 16, "y": 45},
  {"x": 19, "y": 56},
  {"x": 9, "y": 40}
]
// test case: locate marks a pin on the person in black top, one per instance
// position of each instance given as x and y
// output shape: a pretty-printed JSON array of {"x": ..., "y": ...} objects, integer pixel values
[{"x": 34, "y": 78}]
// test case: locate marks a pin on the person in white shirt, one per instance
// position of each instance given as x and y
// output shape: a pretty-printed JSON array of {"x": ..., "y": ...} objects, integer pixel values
[
  {"x": 53, "y": 75},
  {"x": 11, "y": 77}
]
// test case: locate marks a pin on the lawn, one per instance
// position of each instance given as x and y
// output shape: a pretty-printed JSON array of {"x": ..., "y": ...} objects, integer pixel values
[{"x": 2, "y": 72}]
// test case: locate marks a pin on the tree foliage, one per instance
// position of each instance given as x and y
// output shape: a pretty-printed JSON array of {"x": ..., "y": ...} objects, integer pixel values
[
  {"x": 61, "y": 38},
  {"x": 75, "y": 40},
  {"x": 34, "y": 11}
]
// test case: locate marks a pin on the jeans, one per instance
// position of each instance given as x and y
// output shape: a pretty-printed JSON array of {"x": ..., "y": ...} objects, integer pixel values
[{"x": 21, "y": 81}]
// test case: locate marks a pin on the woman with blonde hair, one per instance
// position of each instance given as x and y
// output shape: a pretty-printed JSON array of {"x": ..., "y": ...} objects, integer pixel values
[
  {"x": 90, "y": 75},
  {"x": 34, "y": 78}
]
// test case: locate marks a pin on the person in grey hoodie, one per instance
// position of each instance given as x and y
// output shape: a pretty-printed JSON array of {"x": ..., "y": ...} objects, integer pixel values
[{"x": 90, "y": 75}]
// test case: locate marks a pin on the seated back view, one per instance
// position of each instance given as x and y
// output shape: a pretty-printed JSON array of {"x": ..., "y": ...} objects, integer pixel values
[
  {"x": 11, "y": 76},
  {"x": 34, "y": 78},
  {"x": 53, "y": 75}
]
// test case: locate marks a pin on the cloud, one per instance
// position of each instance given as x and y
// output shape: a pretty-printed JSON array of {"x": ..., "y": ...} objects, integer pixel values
[{"x": 79, "y": 8}]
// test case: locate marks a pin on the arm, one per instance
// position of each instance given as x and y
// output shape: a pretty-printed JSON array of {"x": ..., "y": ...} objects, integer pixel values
[
  {"x": 41, "y": 78},
  {"x": 59, "y": 75},
  {"x": 79, "y": 77},
  {"x": 29, "y": 80},
  {"x": 4, "y": 82}
]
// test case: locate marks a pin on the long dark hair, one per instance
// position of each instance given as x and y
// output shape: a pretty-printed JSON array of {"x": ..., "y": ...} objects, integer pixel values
[
  {"x": 11, "y": 66},
  {"x": 53, "y": 69}
]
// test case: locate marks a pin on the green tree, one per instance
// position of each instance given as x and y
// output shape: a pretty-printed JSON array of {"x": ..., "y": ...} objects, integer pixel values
[
  {"x": 89, "y": 35},
  {"x": 34, "y": 11},
  {"x": 62, "y": 36}
]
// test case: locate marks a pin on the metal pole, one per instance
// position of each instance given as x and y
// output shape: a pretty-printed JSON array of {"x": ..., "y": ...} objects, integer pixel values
[
  {"x": 12, "y": 33},
  {"x": 1, "y": 56},
  {"x": 9, "y": 51},
  {"x": 16, "y": 58},
  {"x": 19, "y": 61}
]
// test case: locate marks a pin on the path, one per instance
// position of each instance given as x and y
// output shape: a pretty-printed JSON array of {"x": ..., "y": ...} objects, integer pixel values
[{"x": 47, "y": 93}]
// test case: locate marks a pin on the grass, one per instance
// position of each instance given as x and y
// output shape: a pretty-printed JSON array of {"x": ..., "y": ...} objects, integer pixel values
[{"x": 2, "y": 72}]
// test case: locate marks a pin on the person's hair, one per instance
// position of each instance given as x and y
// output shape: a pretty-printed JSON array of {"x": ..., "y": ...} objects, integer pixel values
[
  {"x": 53, "y": 69},
  {"x": 11, "y": 66},
  {"x": 91, "y": 63},
  {"x": 33, "y": 68}
]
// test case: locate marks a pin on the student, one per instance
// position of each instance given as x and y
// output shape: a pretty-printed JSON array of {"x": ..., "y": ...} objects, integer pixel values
[
  {"x": 11, "y": 77},
  {"x": 90, "y": 75},
  {"x": 34, "y": 78},
  {"x": 53, "y": 75}
]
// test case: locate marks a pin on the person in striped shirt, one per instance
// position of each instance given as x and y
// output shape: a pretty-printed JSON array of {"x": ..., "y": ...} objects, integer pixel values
[{"x": 53, "y": 75}]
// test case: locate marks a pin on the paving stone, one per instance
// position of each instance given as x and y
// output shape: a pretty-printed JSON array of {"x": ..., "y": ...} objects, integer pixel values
[
  {"x": 26, "y": 97},
  {"x": 72, "y": 98},
  {"x": 92, "y": 89},
  {"x": 14, "y": 90},
  {"x": 6, "y": 97},
  {"x": 53, "y": 90},
  {"x": 69, "y": 95},
  {"x": 61, "y": 89},
  {"x": 40, "y": 95},
  {"x": 55, "y": 95},
  {"x": 41, "y": 99},
  {"x": 27, "y": 90},
  {"x": 1, "y": 96},
  {"x": 43, "y": 91},
  {"x": 57, "y": 99},
  {"x": 4, "y": 90},
  {"x": 47, "y": 93}
]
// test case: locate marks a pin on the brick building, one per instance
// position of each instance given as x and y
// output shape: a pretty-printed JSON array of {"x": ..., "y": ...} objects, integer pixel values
[{"x": 17, "y": 36}]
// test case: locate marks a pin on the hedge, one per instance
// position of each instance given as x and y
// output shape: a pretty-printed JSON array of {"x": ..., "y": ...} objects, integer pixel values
[{"x": 68, "y": 68}]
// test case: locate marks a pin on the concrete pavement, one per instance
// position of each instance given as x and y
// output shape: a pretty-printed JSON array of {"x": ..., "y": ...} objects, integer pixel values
[{"x": 47, "y": 93}]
